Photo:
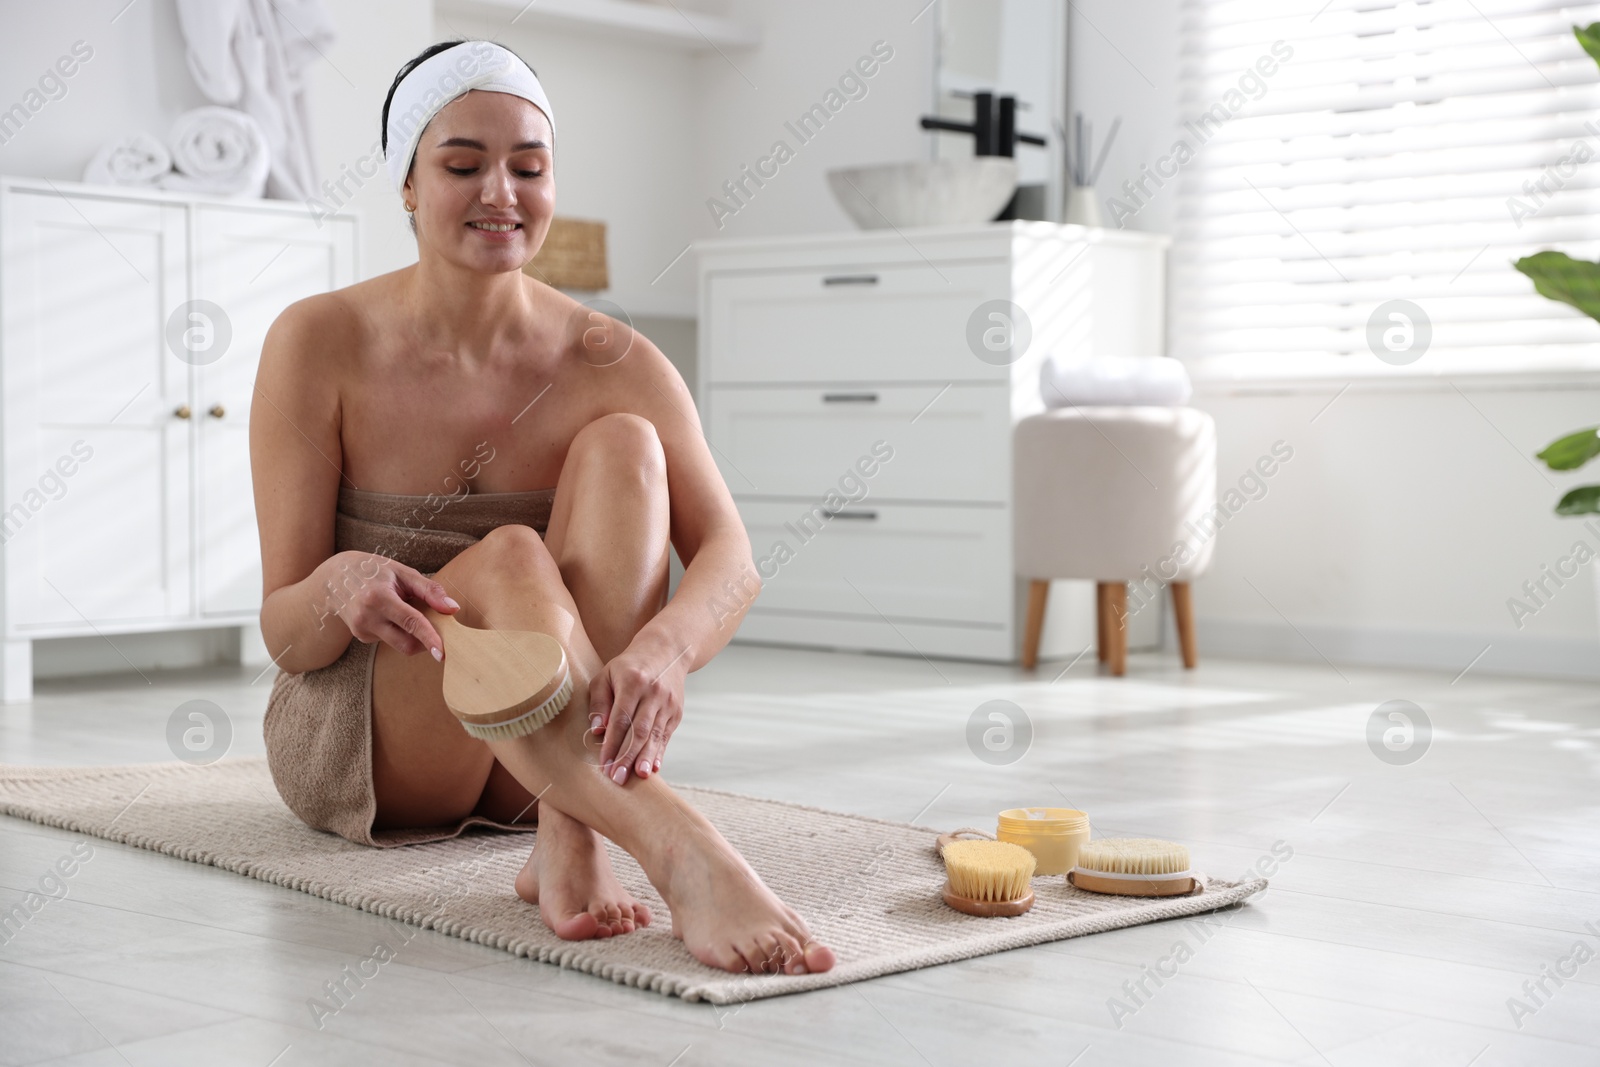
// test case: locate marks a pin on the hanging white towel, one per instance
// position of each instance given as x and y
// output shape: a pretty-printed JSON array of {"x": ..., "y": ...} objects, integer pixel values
[
  {"x": 254, "y": 55},
  {"x": 220, "y": 151},
  {"x": 1128, "y": 381},
  {"x": 133, "y": 159}
]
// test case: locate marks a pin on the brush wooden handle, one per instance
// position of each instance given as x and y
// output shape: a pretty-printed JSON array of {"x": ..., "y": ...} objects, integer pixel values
[
  {"x": 1182, "y": 886},
  {"x": 492, "y": 676},
  {"x": 987, "y": 908}
]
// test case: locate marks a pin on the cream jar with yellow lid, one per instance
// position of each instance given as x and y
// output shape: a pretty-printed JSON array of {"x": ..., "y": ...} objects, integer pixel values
[{"x": 1053, "y": 835}]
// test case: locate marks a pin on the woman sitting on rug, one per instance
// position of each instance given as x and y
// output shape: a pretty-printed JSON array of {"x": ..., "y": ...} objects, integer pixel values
[{"x": 403, "y": 432}]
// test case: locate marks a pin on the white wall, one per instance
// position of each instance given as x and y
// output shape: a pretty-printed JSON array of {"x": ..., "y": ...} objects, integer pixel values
[
  {"x": 135, "y": 79},
  {"x": 1397, "y": 533},
  {"x": 1123, "y": 61},
  {"x": 347, "y": 93},
  {"x": 746, "y": 98}
]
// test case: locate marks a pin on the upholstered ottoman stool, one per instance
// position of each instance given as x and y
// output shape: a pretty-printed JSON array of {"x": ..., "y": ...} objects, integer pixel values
[{"x": 1115, "y": 495}]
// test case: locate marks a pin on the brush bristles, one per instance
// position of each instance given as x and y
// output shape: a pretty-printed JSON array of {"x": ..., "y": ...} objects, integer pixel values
[
  {"x": 988, "y": 870},
  {"x": 526, "y": 723},
  {"x": 1133, "y": 855}
]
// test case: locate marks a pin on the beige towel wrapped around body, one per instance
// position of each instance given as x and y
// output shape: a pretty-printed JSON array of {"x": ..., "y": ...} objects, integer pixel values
[{"x": 319, "y": 723}]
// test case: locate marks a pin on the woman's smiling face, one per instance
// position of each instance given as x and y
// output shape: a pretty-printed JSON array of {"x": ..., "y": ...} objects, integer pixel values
[{"x": 482, "y": 182}]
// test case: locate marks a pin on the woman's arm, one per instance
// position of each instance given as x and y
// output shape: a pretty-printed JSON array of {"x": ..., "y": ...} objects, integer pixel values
[
  {"x": 296, "y": 461},
  {"x": 644, "y": 685}
]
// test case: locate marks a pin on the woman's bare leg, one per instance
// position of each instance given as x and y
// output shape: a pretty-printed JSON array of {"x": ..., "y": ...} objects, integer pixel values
[
  {"x": 608, "y": 531},
  {"x": 608, "y": 534},
  {"x": 725, "y": 915}
]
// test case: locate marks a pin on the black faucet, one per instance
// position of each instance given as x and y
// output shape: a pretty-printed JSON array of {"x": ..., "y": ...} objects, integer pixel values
[{"x": 993, "y": 126}]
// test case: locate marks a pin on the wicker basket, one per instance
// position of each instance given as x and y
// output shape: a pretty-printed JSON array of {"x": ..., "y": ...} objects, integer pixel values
[{"x": 573, "y": 256}]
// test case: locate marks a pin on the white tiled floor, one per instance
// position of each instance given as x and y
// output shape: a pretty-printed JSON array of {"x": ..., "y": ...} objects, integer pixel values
[{"x": 1417, "y": 901}]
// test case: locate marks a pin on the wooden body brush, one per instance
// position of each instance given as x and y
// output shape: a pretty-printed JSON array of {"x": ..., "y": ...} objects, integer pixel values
[
  {"x": 502, "y": 683},
  {"x": 1134, "y": 867},
  {"x": 986, "y": 878}
]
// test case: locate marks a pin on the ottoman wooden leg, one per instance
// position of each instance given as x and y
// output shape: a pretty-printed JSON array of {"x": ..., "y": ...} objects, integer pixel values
[
  {"x": 1117, "y": 626},
  {"x": 1183, "y": 614},
  {"x": 1038, "y": 596},
  {"x": 1100, "y": 637}
]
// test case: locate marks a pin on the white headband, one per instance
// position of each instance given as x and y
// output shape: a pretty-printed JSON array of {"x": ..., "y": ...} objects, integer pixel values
[{"x": 441, "y": 78}]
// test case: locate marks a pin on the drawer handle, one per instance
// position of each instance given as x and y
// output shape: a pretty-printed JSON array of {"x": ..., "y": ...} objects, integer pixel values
[
  {"x": 850, "y": 279},
  {"x": 849, "y": 398},
  {"x": 869, "y": 515}
]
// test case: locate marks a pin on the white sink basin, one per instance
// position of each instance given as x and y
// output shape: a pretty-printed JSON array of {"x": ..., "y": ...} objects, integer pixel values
[{"x": 949, "y": 192}]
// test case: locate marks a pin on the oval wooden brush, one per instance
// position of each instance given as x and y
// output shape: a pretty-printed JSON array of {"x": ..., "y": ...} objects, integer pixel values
[
  {"x": 502, "y": 683},
  {"x": 1133, "y": 867},
  {"x": 987, "y": 877}
]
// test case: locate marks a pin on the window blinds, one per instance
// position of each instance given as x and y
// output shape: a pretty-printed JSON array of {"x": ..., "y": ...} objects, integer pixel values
[{"x": 1405, "y": 150}]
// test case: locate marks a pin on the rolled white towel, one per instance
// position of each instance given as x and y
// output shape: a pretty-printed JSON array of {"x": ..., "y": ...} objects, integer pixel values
[
  {"x": 133, "y": 159},
  {"x": 220, "y": 151},
  {"x": 1133, "y": 381}
]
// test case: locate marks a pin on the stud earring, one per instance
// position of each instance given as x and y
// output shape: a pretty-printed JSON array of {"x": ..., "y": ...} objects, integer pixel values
[{"x": 411, "y": 207}]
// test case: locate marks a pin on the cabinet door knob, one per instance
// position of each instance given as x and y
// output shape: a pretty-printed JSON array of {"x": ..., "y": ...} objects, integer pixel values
[
  {"x": 217, "y": 411},
  {"x": 182, "y": 411}
]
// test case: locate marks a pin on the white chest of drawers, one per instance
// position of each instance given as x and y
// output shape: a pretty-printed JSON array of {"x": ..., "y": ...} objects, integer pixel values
[{"x": 859, "y": 390}]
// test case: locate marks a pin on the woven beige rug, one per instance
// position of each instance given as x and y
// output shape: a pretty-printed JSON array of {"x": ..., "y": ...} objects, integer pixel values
[{"x": 866, "y": 887}]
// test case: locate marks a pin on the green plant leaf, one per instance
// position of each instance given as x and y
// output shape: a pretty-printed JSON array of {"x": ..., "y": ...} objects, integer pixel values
[
  {"x": 1584, "y": 500},
  {"x": 1572, "y": 451},
  {"x": 1560, "y": 277},
  {"x": 1589, "y": 37}
]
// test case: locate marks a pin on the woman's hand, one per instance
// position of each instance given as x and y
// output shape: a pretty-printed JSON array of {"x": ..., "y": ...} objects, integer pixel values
[
  {"x": 636, "y": 702},
  {"x": 374, "y": 596}
]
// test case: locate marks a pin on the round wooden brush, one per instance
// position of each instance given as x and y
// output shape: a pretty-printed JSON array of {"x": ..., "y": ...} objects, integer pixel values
[
  {"x": 987, "y": 877},
  {"x": 502, "y": 683},
  {"x": 1133, "y": 867}
]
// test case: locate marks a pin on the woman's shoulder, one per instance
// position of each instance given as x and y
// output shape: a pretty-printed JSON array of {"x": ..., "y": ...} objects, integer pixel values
[
  {"x": 602, "y": 334},
  {"x": 341, "y": 308},
  {"x": 323, "y": 324}
]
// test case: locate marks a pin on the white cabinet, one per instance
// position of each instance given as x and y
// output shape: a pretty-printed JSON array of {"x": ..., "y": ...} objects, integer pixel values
[
  {"x": 821, "y": 353},
  {"x": 252, "y": 265},
  {"x": 131, "y": 324}
]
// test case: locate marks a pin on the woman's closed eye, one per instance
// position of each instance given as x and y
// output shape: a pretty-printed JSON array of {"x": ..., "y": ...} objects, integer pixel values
[{"x": 464, "y": 171}]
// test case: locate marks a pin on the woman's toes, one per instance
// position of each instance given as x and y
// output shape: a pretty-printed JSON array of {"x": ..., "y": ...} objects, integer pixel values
[
  {"x": 641, "y": 915},
  {"x": 791, "y": 956},
  {"x": 579, "y": 927},
  {"x": 776, "y": 957},
  {"x": 818, "y": 957},
  {"x": 756, "y": 958}
]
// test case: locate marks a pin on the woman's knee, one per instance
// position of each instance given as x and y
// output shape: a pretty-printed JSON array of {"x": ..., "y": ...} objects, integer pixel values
[
  {"x": 511, "y": 550},
  {"x": 623, "y": 442}
]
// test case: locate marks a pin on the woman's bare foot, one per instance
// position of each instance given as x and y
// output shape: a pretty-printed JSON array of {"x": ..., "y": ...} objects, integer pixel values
[
  {"x": 570, "y": 878},
  {"x": 723, "y": 912}
]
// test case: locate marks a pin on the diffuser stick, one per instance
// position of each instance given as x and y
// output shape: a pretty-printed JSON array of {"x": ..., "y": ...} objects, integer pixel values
[{"x": 1105, "y": 151}]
